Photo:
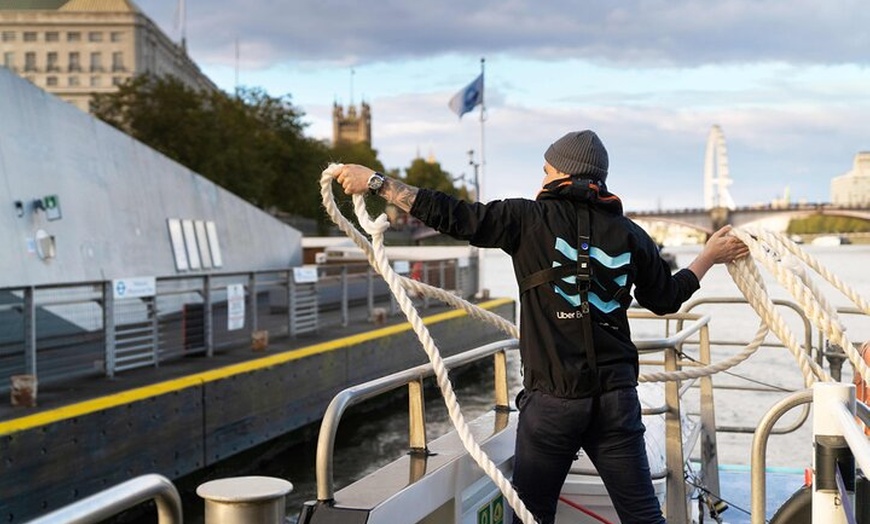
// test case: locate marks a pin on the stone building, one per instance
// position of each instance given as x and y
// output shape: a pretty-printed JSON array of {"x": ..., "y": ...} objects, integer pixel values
[
  {"x": 853, "y": 188},
  {"x": 76, "y": 48},
  {"x": 351, "y": 127}
]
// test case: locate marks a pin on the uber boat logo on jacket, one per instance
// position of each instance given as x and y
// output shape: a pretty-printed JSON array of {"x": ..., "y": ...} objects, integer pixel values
[{"x": 598, "y": 296}]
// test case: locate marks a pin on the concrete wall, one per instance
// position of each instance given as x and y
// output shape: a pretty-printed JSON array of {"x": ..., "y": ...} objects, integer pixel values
[{"x": 115, "y": 196}]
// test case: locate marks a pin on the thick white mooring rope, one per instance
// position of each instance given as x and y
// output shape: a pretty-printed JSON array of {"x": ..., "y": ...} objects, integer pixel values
[{"x": 775, "y": 252}]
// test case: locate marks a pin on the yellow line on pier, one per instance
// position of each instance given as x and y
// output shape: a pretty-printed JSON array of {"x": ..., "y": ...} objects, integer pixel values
[{"x": 197, "y": 379}]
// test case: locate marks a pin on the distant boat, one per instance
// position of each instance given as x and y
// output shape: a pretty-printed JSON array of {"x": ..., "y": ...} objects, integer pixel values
[{"x": 830, "y": 240}]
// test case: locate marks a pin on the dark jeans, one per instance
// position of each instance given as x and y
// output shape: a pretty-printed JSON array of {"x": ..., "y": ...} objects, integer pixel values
[{"x": 552, "y": 430}]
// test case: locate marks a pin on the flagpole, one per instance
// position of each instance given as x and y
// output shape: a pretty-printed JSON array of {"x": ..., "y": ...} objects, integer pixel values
[
  {"x": 482, "y": 119},
  {"x": 482, "y": 292}
]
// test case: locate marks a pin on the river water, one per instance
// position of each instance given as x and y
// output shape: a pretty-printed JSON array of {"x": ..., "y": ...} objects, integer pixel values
[{"x": 367, "y": 441}]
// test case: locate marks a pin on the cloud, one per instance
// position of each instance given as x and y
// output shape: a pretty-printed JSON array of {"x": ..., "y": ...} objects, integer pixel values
[
  {"x": 785, "y": 79},
  {"x": 678, "y": 33}
]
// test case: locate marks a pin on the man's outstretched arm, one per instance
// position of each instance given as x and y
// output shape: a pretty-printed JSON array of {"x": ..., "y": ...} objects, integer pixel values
[{"x": 354, "y": 179}]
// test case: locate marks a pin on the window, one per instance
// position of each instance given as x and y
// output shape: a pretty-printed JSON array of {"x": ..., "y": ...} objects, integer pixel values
[
  {"x": 73, "y": 36},
  {"x": 30, "y": 36},
  {"x": 95, "y": 81},
  {"x": 8, "y": 36},
  {"x": 96, "y": 62},
  {"x": 117, "y": 80},
  {"x": 117, "y": 36},
  {"x": 51, "y": 62},
  {"x": 52, "y": 36},
  {"x": 9, "y": 60},
  {"x": 30, "y": 61},
  {"x": 74, "y": 62},
  {"x": 117, "y": 61},
  {"x": 73, "y": 81},
  {"x": 95, "y": 36},
  {"x": 51, "y": 81}
]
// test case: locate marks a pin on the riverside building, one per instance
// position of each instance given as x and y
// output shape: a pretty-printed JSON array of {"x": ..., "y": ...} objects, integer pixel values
[
  {"x": 853, "y": 187},
  {"x": 77, "y": 48}
]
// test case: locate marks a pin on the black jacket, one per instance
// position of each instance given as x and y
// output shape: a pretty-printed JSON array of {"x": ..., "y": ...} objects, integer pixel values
[{"x": 542, "y": 233}]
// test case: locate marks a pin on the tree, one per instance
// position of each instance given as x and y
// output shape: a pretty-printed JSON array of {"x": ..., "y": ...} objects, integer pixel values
[
  {"x": 430, "y": 175},
  {"x": 251, "y": 144}
]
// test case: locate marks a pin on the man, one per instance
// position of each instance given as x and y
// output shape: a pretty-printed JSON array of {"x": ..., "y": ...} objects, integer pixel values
[{"x": 576, "y": 257}]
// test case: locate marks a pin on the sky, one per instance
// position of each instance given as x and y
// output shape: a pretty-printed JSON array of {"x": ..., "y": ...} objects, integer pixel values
[{"x": 787, "y": 82}]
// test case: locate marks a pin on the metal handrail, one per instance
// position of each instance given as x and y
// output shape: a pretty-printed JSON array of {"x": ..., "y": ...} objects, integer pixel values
[
  {"x": 23, "y": 350},
  {"x": 808, "y": 347},
  {"x": 112, "y": 501},
  {"x": 355, "y": 394},
  {"x": 675, "y": 340},
  {"x": 758, "y": 461}
]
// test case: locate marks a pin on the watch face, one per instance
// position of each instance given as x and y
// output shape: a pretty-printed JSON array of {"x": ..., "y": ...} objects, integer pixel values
[{"x": 376, "y": 181}]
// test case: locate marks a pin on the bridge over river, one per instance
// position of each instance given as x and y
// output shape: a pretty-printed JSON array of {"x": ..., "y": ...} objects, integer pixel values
[
  {"x": 719, "y": 208},
  {"x": 709, "y": 220}
]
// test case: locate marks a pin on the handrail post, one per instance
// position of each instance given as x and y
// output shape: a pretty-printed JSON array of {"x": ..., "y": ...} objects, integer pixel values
[
  {"x": 676, "y": 487},
  {"x": 30, "y": 330},
  {"x": 109, "y": 327},
  {"x": 425, "y": 278},
  {"x": 709, "y": 444},
  {"x": 417, "y": 417},
  {"x": 207, "y": 316},
  {"x": 344, "y": 297},
  {"x": 252, "y": 301},
  {"x": 501, "y": 381},
  {"x": 291, "y": 304},
  {"x": 370, "y": 289}
]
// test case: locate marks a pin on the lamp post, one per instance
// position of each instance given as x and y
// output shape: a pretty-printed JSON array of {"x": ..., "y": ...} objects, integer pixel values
[{"x": 475, "y": 165}]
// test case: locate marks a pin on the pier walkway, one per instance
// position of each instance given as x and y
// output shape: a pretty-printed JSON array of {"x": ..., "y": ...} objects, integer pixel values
[{"x": 89, "y": 433}]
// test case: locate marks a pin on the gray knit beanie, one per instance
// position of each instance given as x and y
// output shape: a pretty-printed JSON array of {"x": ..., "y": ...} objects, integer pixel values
[{"x": 579, "y": 153}]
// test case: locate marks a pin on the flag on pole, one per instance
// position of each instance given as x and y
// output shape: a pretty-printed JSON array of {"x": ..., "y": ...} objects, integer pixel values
[{"x": 466, "y": 100}]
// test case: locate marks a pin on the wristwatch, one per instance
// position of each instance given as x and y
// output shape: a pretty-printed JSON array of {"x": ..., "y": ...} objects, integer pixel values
[{"x": 376, "y": 182}]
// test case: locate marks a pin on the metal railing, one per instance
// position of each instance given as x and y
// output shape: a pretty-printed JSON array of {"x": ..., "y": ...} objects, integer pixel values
[
  {"x": 114, "y": 500},
  {"x": 412, "y": 378},
  {"x": 62, "y": 332},
  {"x": 808, "y": 348},
  {"x": 677, "y": 507},
  {"x": 673, "y": 349},
  {"x": 834, "y": 426}
]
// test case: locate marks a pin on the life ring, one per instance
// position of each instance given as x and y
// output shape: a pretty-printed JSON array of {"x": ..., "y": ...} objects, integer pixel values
[
  {"x": 862, "y": 390},
  {"x": 798, "y": 509}
]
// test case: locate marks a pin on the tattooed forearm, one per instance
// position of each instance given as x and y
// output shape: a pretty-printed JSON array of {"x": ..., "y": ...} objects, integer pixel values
[{"x": 399, "y": 194}]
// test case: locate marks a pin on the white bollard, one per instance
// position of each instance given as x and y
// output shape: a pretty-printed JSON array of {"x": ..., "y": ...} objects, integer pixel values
[
  {"x": 827, "y": 505},
  {"x": 243, "y": 500}
]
